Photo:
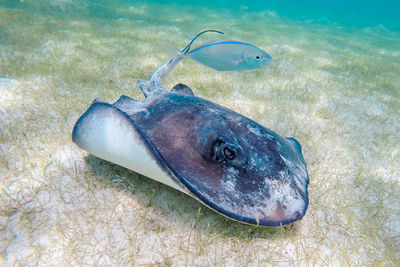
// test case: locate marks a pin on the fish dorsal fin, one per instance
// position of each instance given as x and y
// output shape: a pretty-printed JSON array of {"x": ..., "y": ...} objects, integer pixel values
[
  {"x": 187, "y": 48},
  {"x": 182, "y": 89}
]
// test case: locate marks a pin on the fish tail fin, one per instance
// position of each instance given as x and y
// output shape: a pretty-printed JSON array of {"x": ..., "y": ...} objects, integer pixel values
[
  {"x": 178, "y": 55},
  {"x": 175, "y": 59},
  {"x": 171, "y": 49}
]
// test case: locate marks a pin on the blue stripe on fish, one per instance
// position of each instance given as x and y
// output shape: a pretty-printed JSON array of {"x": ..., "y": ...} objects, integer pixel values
[{"x": 218, "y": 43}]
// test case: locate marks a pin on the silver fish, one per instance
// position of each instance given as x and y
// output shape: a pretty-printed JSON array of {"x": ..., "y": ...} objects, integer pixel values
[
  {"x": 222, "y": 55},
  {"x": 230, "y": 55}
]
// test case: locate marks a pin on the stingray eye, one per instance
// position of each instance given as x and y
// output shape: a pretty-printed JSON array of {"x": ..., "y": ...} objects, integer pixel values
[
  {"x": 225, "y": 153},
  {"x": 258, "y": 57},
  {"x": 233, "y": 155},
  {"x": 229, "y": 154}
]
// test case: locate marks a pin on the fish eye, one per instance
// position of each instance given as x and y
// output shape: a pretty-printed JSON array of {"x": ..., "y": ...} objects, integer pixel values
[
  {"x": 229, "y": 153},
  {"x": 258, "y": 57}
]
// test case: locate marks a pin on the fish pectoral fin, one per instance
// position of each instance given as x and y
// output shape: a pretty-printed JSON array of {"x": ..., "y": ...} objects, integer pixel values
[
  {"x": 241, "y": 59},
  {"x": 171, "y": 49}
]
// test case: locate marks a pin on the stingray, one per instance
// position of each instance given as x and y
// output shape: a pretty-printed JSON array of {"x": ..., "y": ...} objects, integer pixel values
[{"x": 224, "y": 160}]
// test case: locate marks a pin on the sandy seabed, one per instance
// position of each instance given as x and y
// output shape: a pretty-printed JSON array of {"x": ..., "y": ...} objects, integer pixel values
[{"x": 336, "y": 90}]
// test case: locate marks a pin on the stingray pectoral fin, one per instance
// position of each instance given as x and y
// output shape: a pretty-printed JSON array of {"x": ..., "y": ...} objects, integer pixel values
[
  {"x": 107, "y": 132},
  {"x": 128, "y": 105},
  {"x": 295, "y": 144}
]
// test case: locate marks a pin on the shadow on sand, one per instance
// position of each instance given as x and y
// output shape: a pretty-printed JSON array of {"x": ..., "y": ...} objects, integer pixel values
[{"x": 184, "y": 209}]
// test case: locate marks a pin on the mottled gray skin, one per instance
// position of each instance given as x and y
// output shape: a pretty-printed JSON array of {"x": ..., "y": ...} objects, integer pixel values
[
  {"x": 226, "y": 161},
  {"x": 231, "y": 163}
]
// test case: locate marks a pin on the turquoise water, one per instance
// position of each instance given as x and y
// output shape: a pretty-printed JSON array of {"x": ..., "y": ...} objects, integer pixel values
[
  {"x": 356, "y": 13},
  {"x": 334, "y": 85}
]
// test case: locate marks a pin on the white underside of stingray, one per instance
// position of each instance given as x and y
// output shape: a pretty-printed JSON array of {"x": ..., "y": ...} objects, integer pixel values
[{"x": 109, "y": 135}]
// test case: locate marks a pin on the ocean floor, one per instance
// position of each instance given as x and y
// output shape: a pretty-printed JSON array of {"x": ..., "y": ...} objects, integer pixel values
[{"x": 335, "y": 89}]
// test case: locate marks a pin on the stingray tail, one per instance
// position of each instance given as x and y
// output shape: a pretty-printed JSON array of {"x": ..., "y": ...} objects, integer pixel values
[
  {"x": 172, "y": 63},
  {"x": 152, "y": 85}
]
